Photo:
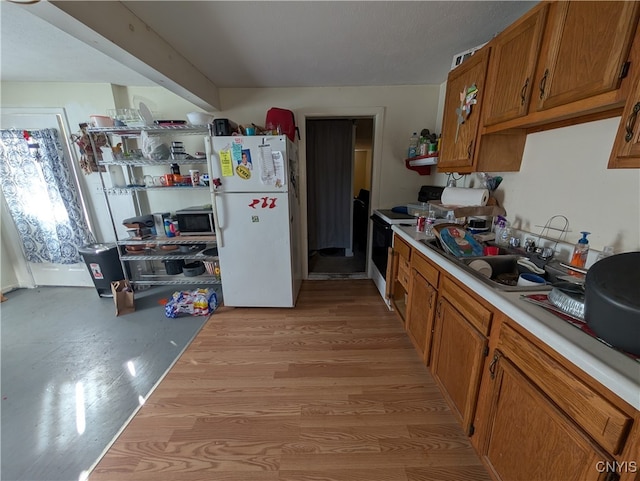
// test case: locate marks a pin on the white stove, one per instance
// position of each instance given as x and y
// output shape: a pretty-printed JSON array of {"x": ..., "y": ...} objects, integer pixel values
[
  {"x": 382, "y": 239},
  {"x": 382, "y": 236}
]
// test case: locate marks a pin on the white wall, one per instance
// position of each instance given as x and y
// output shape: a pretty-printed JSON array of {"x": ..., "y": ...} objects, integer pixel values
[
  {"x": 563, "y": 171},
  {"x": 406, "y": 109},
  {"x": 79, "y": 101}
]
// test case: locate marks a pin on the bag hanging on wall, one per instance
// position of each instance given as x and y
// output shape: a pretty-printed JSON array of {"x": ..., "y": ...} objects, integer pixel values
[
  {"x": 285, "y": 120},
  {"x": 123, "y": 297}
]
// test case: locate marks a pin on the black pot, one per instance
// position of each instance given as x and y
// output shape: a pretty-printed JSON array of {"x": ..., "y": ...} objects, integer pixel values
[
  {"x": 173, "y": 267},
  {"x": 192, "y": 249},
  {"x": 193, "y": 269},
  {"x": 612, "y": 301}
]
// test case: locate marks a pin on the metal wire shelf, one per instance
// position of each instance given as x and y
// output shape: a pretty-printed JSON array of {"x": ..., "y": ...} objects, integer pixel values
[
  {"x": 178, "y": 279},
  {"x": 139, "y": 188},
  {"x": 131, "y": 131},
  {"x": 151, "y": 162}
]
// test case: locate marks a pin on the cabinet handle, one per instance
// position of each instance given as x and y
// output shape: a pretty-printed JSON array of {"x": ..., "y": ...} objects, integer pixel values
[
  {"x": 469, "y": 149},
  {"x": 631, "y": 122},
  {"x": 523, "y": 92},
  {"x": 543, "y": 83},
  {"x": 492, "y": 367}
]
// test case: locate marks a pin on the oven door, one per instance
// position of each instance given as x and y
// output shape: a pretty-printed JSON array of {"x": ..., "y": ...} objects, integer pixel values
[{"x": 382, "y": 238}]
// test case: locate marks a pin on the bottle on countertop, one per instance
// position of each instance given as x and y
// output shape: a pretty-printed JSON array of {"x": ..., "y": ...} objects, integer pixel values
[
  {"x": 580, "y": 251},
  {"x": 413, "y": 145},
  {"x": 502, "y": 231},
  {"x": 606, "y": 252}
]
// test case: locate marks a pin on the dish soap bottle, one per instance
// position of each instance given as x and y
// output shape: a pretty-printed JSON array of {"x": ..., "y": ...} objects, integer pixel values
[{"x": 580, "y": 251}]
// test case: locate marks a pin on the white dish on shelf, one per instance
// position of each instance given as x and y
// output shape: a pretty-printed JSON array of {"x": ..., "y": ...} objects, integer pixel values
[
  {"x": 199, "y": 118},
  {"x": 145, "y": 113}
]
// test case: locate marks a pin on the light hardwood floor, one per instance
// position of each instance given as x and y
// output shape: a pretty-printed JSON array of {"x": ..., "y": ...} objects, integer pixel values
[{"x": 329, "y": 391}]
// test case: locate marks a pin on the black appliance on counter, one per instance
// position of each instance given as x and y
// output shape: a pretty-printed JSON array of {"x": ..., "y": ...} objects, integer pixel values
[
  {"x": 224, "y": 127},
  {"x": 382, "y": 235}
]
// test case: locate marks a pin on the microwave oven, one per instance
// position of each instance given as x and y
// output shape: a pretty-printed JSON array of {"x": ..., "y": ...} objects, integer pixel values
[{"x": 196, "y": 220}]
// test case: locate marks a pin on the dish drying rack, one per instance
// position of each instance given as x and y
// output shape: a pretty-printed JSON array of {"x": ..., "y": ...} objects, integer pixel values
[{"x": 556, "y": 223}]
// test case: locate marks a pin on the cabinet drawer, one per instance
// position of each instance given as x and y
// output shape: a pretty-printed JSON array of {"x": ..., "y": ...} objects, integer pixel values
[
  {"x": 593, "y": 413},
  {"x": 404, "y": 273},
  {"x": 402, "y": 248},
  {"x": 426, "y": 268},
  {"x": 465, "y": 302}
]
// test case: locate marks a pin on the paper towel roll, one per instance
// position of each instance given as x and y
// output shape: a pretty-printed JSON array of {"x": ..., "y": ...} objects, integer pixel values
[{"x": 462, "y": 196}]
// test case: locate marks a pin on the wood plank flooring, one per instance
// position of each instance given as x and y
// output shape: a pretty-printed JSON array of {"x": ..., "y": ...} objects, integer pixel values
[{"x": 329, "y": 391}]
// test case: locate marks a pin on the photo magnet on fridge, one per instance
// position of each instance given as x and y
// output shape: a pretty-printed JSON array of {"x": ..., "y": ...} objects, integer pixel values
[{"x": 246, "y": 159}]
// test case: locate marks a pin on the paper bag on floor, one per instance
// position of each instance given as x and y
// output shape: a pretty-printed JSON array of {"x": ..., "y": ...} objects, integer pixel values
[{"x": 123, "y": 297}]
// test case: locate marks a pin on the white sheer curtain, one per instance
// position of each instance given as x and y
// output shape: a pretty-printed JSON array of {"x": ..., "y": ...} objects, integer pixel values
[
  {"x": 41, "y": 196},
  {"x": 329, "y": 184}
]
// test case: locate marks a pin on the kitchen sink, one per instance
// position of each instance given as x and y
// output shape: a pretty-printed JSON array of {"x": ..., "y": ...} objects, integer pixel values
[{"x": 504, "y": 267}]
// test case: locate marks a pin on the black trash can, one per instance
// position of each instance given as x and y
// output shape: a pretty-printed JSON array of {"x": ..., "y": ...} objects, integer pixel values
[{"x": 104, "y": 266}]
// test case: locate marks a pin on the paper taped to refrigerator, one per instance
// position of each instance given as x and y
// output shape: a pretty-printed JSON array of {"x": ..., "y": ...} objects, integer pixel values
[
  {"x": 278, "y": 162},
  {"x": 272, "y": 171},
  {"x": 226, "y": 163}
]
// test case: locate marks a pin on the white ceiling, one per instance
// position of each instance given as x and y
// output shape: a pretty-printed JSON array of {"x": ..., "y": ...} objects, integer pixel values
[{"x": 270, "y": 44}]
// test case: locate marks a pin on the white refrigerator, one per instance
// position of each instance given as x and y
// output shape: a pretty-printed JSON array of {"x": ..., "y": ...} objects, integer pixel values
[{"x": 256, "y": 215}]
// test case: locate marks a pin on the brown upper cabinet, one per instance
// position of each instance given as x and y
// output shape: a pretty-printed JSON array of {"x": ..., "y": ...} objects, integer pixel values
[
  {"x": 626, "y": 147},
  {"x": 585, "y": 51},
  {"x": 459, "y": 127},
  {"x": 514, "y": 57},
  {"x": 562, "y": 63}
]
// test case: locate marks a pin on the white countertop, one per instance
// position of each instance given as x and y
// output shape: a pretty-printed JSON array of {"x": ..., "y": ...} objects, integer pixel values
[{"x": 613, "y": 369}]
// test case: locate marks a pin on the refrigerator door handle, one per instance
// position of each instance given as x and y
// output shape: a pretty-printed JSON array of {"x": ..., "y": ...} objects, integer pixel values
[
  {"x": 212, "y": 190},
  {"x": 217, "y": 227}
]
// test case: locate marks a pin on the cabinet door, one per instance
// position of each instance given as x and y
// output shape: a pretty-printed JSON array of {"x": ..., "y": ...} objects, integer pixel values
[
  {"x": 514, "y": 54},
  {"x": 588, "y": 44},
  {"x": 459, "y": 139},
  {"x": 394, "y": 289},
  {"x": 422, "y": 307},
  {"x": 530, "y": 439},
  {"x": 626, "y": 147},
  {"x": 457, "y": 359}
]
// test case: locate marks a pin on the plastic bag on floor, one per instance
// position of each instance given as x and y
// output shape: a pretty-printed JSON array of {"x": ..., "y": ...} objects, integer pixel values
[{"x": 200, "y": 302}]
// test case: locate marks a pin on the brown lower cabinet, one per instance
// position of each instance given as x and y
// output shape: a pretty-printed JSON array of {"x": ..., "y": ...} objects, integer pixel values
[
  {"x": 531, "y": 415},
  {"x": 458, "y": 357},
  {"x": 459, "y": 348},
  {"x": 529, "y": 438},
  {"x": 398, "y": 277},
  {"x": 422, "y": 303},
  {"x": 421, "y": 311},
  {"x": 539, "y": 420}
]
